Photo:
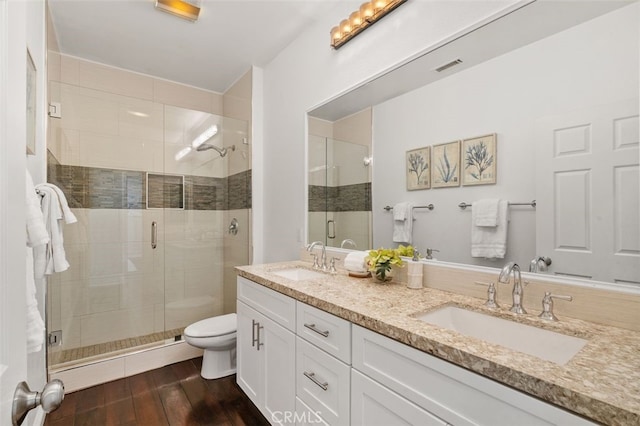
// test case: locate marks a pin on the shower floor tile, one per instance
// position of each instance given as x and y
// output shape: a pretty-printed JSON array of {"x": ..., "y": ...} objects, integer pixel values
[{"x": 85, "y": 353}]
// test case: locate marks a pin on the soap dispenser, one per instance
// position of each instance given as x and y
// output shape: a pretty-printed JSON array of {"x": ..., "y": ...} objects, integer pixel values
[{"x": 414, "y": 272}]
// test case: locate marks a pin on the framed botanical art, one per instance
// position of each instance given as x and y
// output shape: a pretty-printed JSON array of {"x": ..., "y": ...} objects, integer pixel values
[
  {"x": 445, "y": 165},
  {"x": 418, "y": 169},
  {"x": 479, "y": 160}
]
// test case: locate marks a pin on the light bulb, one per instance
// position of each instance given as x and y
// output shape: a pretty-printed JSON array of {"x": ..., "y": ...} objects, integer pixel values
[
  {"x": 355, "y": 19},
  {"x": 345, "y": 27},
  {"x": 336, "y": 35},
  {"x": 378, "y": 5},
  {"x": 366, "y": 11}
]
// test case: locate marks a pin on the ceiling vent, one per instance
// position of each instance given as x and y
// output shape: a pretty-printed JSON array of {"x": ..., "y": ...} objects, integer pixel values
[{"x": 449, "y": 65}]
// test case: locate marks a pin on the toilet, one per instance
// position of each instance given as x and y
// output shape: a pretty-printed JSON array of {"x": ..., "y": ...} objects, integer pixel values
[{"x": 217, "y": 336}]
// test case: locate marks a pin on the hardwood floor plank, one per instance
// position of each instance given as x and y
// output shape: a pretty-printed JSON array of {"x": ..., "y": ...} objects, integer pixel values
[
  {"x": 172, "y": 395},
  {"x": 92, "y": 398}
]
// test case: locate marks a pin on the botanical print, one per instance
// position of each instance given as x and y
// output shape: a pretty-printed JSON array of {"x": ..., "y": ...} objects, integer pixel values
[
  {"x": 445, "y": 165},
  {"x": 479, "y": 158},
  {"x": 418, "y": 173}
]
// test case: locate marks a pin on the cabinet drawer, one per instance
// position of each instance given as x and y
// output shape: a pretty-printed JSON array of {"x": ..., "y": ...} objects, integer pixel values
[
  {"x": 305, "y": 416},
  {"x": 328, "y": 332},
  {"x": 372, "y": 404},
  {"x": 322, "y": 383},
  {"x": 452, "y": 393},
  {"x": 278, "y": 307}
]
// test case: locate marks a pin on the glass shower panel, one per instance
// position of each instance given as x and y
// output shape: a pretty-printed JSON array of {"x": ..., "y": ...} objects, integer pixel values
[
  {"x": 99, "y": 154},
  {"x": 339, "y": 193},
  {"x": 206, "y": 152}
]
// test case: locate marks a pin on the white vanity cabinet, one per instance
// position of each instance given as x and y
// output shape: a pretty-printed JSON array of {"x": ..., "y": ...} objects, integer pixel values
[
  {"x": 301, "y": 365},
  {"x": 266, "y": 349},
  {"x": 444, "y": 391}
]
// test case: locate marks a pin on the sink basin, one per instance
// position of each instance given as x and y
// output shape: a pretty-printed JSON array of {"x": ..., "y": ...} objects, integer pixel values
[
  {"x": 298, "y": 274},
  {"x": 541, "y": 343}
]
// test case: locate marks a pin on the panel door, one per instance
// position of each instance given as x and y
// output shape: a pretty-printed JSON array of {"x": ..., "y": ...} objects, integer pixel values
[
  {"x": 250, "y": 364},
  {"x": 588, "y": 193}
]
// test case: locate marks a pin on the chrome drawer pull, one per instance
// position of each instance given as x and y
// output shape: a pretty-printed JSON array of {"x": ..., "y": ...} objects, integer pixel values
[
  {"x": 312, "y": 327},
  {"x": 312, "y": 377}
]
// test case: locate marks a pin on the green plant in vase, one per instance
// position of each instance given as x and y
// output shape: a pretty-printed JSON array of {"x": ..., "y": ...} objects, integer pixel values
[{"x": 382, "y": 260}]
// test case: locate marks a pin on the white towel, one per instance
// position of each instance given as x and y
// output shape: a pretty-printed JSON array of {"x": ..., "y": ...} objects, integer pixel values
[
  {"x": 402, "y": 223},
  {"x": 67, "y": 214},
  {"x": 52, "y": 258},
  {"x": 491, "y": 242},
  {"x": 35, "y": 324},
  {"x": 485, "y": 212},
  {"x": 355, "y": 261},
  {"x": 38, "y": 237}
]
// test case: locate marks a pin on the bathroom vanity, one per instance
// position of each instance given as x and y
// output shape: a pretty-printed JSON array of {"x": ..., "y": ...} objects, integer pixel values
[{"x": 332, "y": 349}]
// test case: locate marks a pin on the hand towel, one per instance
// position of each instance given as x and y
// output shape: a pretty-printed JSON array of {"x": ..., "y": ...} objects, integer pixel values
[
  {"x": 355, "y": 261},
  {"x": 36, "y": 229},
  {"x": 67, "y": 214},
  {"x": 53, "y": 258},
  {"x": 491, "y": 242},
  {"x": 403, "y": 223},
  {"x": 485, "y": 212},
  {"x": 35, "y": 324}
]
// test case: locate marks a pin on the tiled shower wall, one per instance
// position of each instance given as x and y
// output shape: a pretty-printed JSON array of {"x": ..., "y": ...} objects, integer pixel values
[{"x": 113, "y": 154}]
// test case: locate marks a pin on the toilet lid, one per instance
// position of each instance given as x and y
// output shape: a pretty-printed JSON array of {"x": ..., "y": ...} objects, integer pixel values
[{"x": 214, "y": 326}]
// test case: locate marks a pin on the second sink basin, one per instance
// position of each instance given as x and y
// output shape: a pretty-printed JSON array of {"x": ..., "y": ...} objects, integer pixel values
[
  {"x": 541, "y": 343},
  {"x": 298, "y": 274}
]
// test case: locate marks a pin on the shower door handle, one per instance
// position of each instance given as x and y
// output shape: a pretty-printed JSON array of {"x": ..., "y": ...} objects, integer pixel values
[
  {"x": 154, "y": 234},
  {"x": 331, "y": 229}
]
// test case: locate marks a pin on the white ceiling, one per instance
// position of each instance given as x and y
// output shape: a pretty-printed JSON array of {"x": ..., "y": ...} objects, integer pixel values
[{"x": 212, "y": 53}]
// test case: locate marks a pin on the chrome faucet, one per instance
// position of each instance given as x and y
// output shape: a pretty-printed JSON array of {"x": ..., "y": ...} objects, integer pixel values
[
  {"x": 323, "y": 259},
  {"x": 348, "y": 241},
  {"x": 518, "y": 290}
]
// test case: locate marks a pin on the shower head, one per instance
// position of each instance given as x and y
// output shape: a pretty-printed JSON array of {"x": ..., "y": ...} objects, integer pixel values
[{"x": 221, "y": 151}]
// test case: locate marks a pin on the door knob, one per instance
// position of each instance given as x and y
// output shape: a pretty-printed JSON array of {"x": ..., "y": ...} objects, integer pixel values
[{"x": 24, "y": 400}]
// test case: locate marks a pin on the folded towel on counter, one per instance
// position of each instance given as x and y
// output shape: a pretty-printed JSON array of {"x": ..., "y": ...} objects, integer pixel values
[
  {"x": 485, "y": 212},
  {"x": 491, "y": 242},
  {"x": 355, "y": 261},
  {"x": 403, "y": 223}
]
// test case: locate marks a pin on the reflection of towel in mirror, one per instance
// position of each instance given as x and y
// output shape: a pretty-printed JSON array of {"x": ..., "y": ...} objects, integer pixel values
[
  {"x": 491, "y": 241},
  {"x": 485, "y": 212},
  {"x": 403, "y": 223}
]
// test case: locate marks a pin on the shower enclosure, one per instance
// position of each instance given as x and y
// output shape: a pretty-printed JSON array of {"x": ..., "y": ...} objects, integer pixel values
[
  {"x": 339, "y": 193},
  {"x": 152, "y": 250}
]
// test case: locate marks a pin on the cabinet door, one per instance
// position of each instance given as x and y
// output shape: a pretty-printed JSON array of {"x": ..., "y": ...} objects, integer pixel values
[
  {"x": 278, "y": 352},
  {"x": 372, "y": 404},
  {"x": 249, "y": 360}
]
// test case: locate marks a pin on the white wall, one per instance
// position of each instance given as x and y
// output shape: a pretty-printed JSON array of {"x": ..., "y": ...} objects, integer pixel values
[
  {"x": 308, "y": 73},
  {"x": 591, "y": 64}
]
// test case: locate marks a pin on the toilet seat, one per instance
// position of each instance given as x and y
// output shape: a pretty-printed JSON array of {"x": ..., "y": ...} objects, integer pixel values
[{"x": 212, "y": 327}]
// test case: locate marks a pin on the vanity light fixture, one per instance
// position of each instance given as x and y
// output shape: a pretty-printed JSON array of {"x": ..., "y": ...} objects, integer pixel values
[
  {"x": 185, "y": 9},
  {"x": 368, "y": 14}
]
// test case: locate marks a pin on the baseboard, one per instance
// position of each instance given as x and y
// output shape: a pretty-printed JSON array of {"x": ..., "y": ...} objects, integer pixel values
[{"x": 124, "y": 365}]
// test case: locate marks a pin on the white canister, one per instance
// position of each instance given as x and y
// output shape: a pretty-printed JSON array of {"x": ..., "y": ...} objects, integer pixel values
[{"x": 414, "y": 275}]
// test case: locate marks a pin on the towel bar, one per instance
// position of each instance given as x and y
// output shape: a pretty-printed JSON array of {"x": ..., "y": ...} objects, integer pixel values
[
  {"x": 464, "y": 205},
  {"x": 428, "y": 206}
]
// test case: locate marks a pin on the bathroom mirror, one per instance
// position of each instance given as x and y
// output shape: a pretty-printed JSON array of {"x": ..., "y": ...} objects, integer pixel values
[{"x": 557, "y": 82}]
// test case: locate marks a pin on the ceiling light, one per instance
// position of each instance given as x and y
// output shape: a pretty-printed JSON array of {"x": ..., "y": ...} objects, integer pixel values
[
  {"x": 205, "y": 136},
  {"x": 186, "y": 9},
  {"x": 368, "y": 14}
]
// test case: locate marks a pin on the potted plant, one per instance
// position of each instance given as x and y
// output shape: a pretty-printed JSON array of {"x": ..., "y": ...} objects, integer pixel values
[{"x": 382, "y": 260}]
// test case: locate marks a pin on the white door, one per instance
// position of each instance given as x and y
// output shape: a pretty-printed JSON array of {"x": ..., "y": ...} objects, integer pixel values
[
  {"x": 588, "y": 194},
  {"x": 13, "y": 356},
  {"x": 249, "y": 360}
]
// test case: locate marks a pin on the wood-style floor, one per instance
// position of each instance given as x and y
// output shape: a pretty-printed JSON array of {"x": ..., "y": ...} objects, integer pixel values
[{"x": 172, "y": 395}]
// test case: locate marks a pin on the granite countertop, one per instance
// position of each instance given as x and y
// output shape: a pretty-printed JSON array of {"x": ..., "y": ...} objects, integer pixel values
[{"x": 601, "y": 382}]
